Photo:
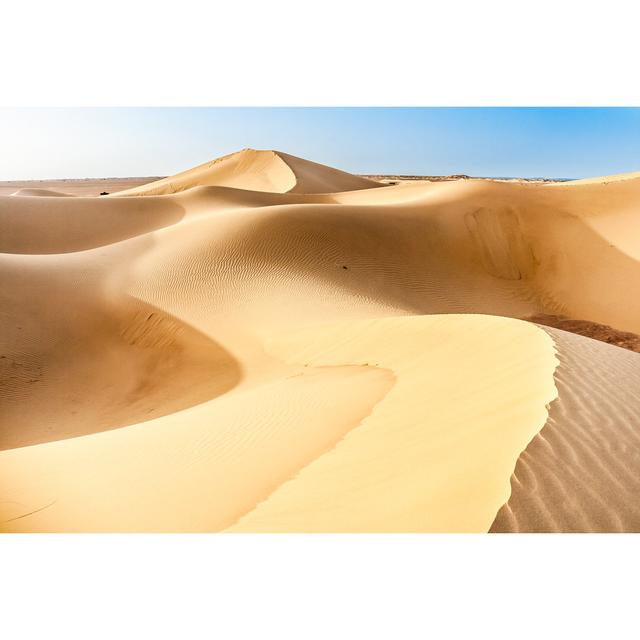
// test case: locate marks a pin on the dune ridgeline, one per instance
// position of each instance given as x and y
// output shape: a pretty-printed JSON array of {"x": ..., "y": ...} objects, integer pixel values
[{"x": 263, "y": 343}]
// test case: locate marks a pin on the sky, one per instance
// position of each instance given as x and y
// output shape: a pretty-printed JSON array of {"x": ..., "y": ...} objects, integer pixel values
[{"x": 48, "y": 143}]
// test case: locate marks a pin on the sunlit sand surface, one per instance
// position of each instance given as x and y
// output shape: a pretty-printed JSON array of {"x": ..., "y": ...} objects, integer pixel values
[{"x": 263, "y": 343}]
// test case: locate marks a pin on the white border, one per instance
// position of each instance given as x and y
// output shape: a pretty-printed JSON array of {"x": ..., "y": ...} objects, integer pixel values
[
  {"x": 319, "y": 586},
  {"x": 337, "y": 52}
]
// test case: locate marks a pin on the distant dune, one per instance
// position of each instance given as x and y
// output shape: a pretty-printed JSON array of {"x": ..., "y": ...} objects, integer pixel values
[
  {"x": 272, "y": 171},
  {"x": 71, "y": 187},
  {"x": 263, "y": 343},
  {"x": 47, "y": 193}
]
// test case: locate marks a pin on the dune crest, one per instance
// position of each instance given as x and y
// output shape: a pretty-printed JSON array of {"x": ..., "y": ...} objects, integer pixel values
[
  {"x": 263, "y": 343},
  {"x": 407, "y": 467},
  {"x": 257, "y": 170},
  {"x": 581, "y": 472},
  {"x": 633, "y": 175}
]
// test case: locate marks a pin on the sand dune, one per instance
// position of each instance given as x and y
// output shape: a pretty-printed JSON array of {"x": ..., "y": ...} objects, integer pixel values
[
  {"x": 633, "y": 175},
  {"x": 262, "y": 343},
  {"x": 580, "y": 473},
  {"x": 408, "y": 467},
  {"x": 258, "y": 171}
]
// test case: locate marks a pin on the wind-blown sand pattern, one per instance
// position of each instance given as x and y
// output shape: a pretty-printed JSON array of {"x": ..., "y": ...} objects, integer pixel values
[
  {"x": 580, "y": 473},
  {"x": 263, "y": 343}
]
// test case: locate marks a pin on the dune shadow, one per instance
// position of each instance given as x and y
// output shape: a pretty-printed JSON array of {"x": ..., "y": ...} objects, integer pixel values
[
  {"x": 427, "y": 260},
  {"x": 131, "y": 366}
]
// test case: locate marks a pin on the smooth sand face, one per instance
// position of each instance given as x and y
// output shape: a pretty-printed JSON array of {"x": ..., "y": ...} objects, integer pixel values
[
  {"x": 251, "y": 345},
  {"x": 435, "y": 452}
]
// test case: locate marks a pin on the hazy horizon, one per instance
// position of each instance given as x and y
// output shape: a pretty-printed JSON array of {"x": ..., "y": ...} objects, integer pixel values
[{"x": 528, "y": 142}]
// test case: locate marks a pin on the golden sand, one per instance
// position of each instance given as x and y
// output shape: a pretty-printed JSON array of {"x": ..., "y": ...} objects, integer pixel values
[{"x": 263, "y": 343}]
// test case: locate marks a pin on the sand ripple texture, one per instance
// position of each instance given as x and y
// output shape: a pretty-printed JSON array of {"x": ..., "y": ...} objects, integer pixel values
[
  {"x": 263, "y": 343},
  {"x": 582, "y": 471}
]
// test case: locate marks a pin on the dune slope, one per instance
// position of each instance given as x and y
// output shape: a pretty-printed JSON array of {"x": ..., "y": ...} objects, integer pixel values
[
  {"x": 258, "y": 170},
  {"x": 266, "y": 344},
  {"x": 435, "y": 453},
  {"x": 582, "y": 471}
]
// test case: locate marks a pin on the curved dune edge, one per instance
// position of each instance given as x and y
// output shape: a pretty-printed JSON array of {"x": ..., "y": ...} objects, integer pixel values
[
  {"x": 404, "y": 423},
  {"x": 397, "y": 424},
  {"x": 617, "y": 177},
  {"x": 475, "y": 247},
  {"x": 246, "y": 169},
  {"x": 195, "y": 470},
  {"x": 437, "y": 452},
  {"x": 257, "y": 170},
  {"x": 94, "y": 367},
  {"x": 581, "y": 473}
]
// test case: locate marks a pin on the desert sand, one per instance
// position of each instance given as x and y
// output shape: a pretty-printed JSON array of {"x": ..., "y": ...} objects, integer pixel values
[
  {"x": 263, "y": 343},
  {"x": 71, "y": 187}
]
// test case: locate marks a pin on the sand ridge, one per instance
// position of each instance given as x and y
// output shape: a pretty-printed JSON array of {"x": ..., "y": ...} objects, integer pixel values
[
  {"x": 258, "y": 170},
  {"x": 263, "y": 343},
  {"x": 408, "y": 467},
  {"x": 581, "y": 472}
]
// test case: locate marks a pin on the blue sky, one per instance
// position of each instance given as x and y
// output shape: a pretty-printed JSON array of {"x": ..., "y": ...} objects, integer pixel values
[{"x": 95, "y": 142}]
